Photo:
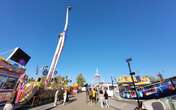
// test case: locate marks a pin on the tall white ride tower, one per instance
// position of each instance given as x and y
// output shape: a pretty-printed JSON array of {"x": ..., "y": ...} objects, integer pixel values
[{"x": 59, "y": 48}]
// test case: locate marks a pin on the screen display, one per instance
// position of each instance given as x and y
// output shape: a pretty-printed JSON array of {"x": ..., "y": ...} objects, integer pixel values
[{"x": 20, "y": 57}]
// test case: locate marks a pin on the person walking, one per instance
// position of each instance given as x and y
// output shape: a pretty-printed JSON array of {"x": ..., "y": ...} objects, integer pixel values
[
  {"x": 8, "y": 105},
  {"x": 65, "y": 96},
  {"x": 94, "y": 95},
  {"x": 90, "y": 95},
  {"x": 101, "y": 98},
  {"x": 106, "y": 99},
  {"x": 55, "y": 98}
]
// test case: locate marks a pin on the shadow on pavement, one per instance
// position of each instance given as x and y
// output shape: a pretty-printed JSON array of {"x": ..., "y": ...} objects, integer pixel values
[
  {"x": 71, "y": 100},
  {"x": 50, "y": 108},
  {"x": 115, "y": 108}
]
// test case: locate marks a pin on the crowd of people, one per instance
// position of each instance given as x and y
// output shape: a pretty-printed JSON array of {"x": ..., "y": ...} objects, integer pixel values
[{"x": 95, "y": 95}]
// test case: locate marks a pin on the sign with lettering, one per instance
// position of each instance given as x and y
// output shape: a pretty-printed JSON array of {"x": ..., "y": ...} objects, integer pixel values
[{"x": 138, "y": 79}]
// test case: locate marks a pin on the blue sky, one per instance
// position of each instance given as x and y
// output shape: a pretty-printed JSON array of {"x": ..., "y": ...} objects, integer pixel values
[{"x": 102, "y": 33}]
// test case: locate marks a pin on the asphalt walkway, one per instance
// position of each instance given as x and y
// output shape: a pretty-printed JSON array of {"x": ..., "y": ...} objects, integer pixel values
[{"x": 76, "y": 103}]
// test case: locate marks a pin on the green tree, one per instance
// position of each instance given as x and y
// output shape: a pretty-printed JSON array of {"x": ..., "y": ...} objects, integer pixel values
[
  {"x": 30, "y": 79},
  {"x": 57, "y": 82},
  {"x": 80, "y": 79}
]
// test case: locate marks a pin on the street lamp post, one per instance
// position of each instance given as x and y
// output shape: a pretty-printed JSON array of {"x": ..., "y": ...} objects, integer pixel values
[
  {"x": 112, "y": 82},
  {"x": 132, "y": 74}
]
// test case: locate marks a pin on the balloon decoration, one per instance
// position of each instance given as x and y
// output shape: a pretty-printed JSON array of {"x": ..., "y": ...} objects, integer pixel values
[
  {"x": 45, "y": 70},
  {"x": 55, "y": 72}
]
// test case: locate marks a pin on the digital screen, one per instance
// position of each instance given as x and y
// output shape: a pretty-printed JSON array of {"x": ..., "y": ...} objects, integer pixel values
[{"x": 20, "y": 57}]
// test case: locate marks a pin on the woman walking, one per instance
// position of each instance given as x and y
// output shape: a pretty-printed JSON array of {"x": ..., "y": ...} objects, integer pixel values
[
  {"x": 65, "y": 96},
  {"x": 101, "y": 98},
  {"x": 55, "y": 98},
  {"x": 106, "y": 99}
]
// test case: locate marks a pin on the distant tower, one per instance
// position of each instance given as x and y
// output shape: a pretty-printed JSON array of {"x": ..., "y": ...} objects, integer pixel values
[{"x": 97, "y": 77}]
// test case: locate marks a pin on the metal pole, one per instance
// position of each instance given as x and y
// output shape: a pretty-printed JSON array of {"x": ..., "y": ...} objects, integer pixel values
[
  {"x": 112, "y": 82},
  {"x": 133, "y": 83}
]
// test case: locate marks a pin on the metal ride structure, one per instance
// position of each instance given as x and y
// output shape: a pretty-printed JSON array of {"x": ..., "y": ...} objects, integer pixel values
[{"x": 59, "y": 49}]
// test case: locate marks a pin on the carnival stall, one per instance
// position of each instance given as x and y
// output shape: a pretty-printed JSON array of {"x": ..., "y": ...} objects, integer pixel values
[
  {"x": 145, "y": 88},
  {"x": 9, "y": 77},
  {"x": 126, "y": 88}
]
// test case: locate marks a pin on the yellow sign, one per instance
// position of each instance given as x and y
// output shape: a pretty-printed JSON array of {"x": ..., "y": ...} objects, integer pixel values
[{"x": 127, "y": 79}]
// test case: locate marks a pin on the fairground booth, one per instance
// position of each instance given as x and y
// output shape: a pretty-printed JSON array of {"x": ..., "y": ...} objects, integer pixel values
[
  {"x": 126, "y": 87},
  {"x": 11, "y": 70}
]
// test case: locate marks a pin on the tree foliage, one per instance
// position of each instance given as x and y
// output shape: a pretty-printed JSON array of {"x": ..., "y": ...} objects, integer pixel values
[
  {"x": 30, "y": 79},
  {"x": 80, "y": 79}
]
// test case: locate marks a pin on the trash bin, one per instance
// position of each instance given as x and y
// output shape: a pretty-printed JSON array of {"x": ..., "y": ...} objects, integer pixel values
[
  {"x": 157, "y": 106},
  {"x": 174, "y": 104}
]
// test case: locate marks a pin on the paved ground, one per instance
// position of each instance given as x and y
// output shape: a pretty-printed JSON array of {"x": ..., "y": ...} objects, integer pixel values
[
  {"x": 79, "y": 103},
  {"x": 123, "y": 105}
]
